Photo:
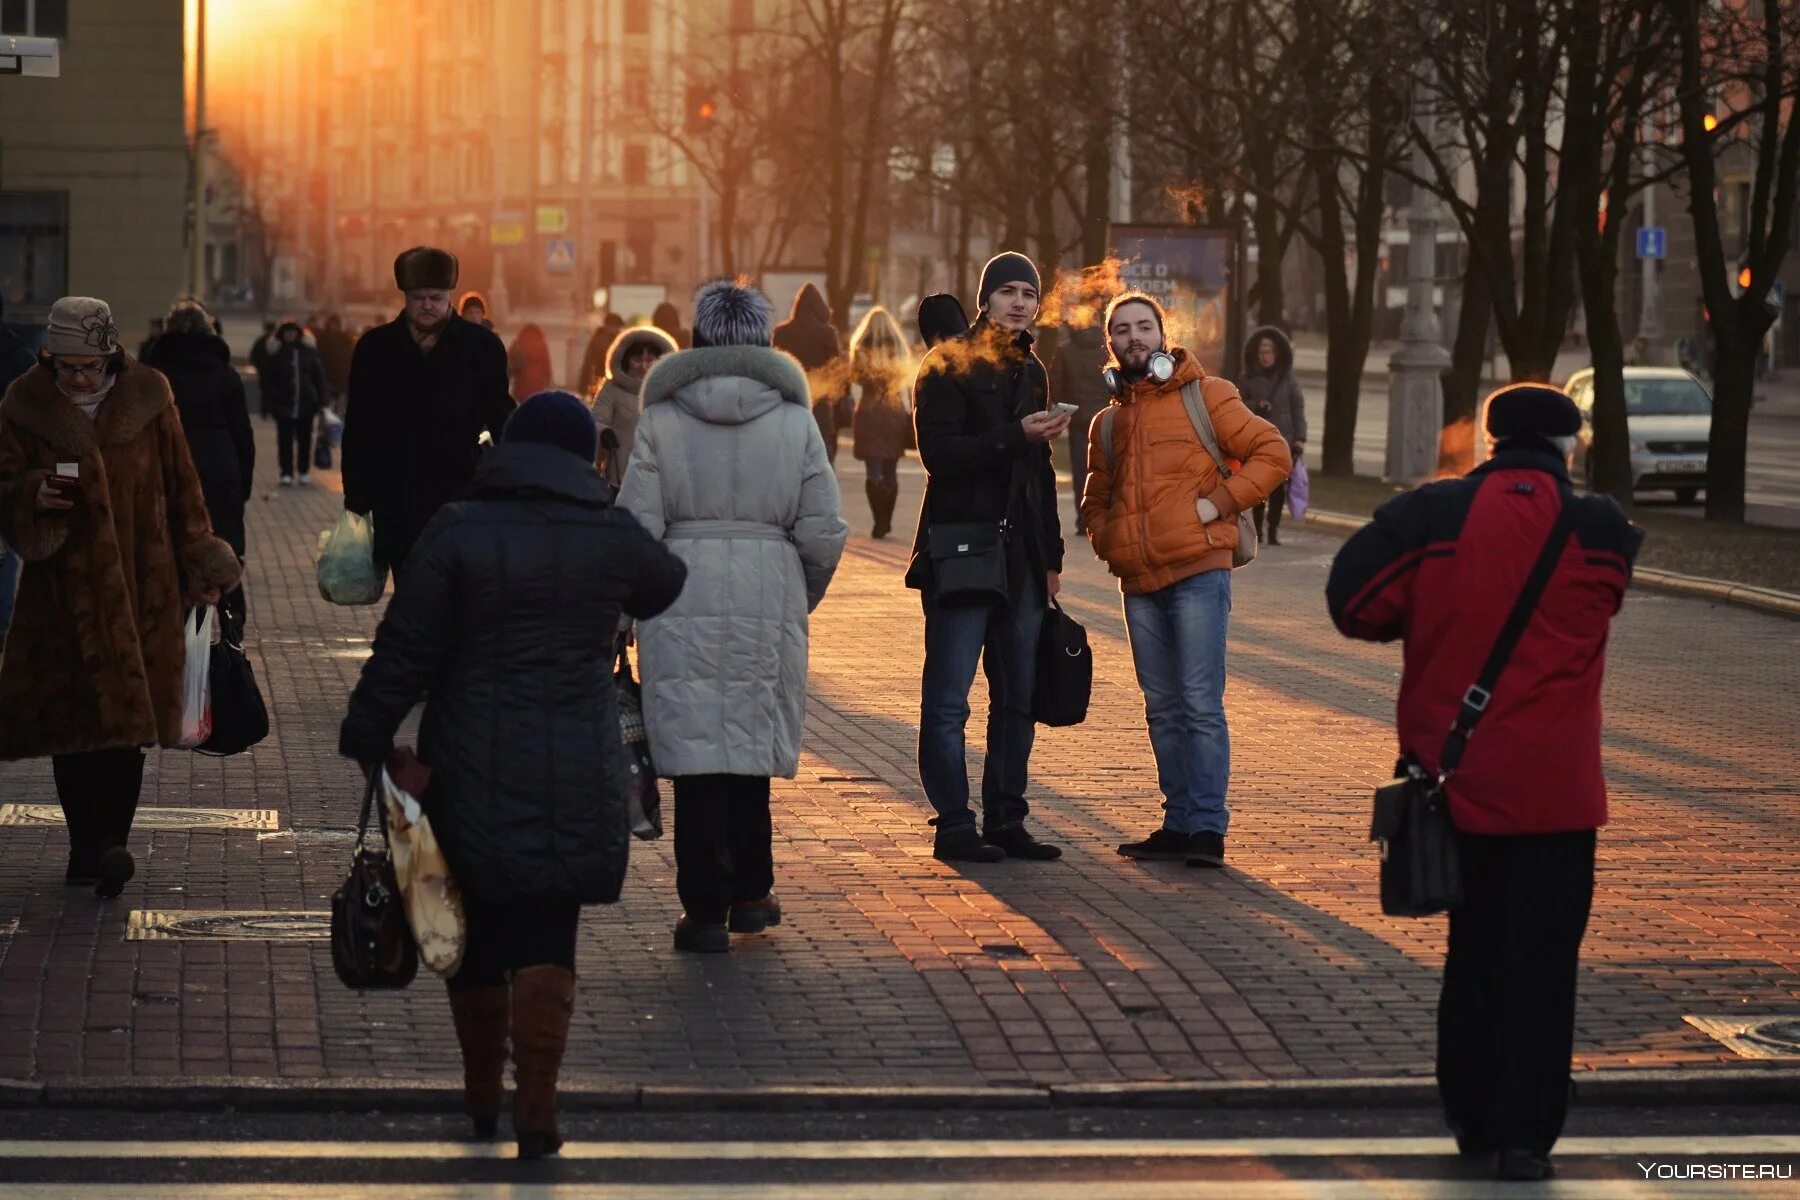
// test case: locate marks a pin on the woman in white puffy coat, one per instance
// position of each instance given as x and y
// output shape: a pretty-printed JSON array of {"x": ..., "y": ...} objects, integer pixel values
[{"x": 730, "y": 471}]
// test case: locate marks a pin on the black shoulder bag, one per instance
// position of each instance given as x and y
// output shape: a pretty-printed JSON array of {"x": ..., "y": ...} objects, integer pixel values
[
  {"x": 1421, "y": 869},
  {"x": 372, "y": 944},
  {"x": 240, "y": 718},
  {"x": 968, "y": 558}
]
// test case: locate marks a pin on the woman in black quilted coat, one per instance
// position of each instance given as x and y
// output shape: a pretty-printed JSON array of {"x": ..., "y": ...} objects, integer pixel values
[{"x": 506, "y": 628}]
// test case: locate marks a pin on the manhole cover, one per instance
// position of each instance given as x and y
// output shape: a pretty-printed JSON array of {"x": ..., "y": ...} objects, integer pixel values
[
  {"x": 154, "y": 818},
  {"x": 1753, "y": 1037},
  {"x": 149, "y": 925}
]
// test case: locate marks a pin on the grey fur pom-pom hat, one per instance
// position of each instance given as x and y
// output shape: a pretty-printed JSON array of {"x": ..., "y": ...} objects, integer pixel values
[{"x": 729, "y": 312}]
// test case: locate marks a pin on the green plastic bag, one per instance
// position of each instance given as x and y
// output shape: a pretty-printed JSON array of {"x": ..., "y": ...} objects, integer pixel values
[{"x": 348, "y": 570}]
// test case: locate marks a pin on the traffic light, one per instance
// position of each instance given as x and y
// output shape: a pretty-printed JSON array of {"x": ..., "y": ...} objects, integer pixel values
[{"x": 702, "y": 109}]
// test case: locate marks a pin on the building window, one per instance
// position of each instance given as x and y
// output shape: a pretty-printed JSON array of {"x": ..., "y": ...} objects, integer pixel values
[
  {"x": 637, "y": 90},
  {"x": 35, "y": 18},
  {"x": 34, "y": 250},
  {"x": 637, "y": 16},
  {"x": 637, "y": 164}
]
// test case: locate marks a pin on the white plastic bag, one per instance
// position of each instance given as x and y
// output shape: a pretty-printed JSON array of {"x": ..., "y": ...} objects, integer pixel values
[
  {"x": 196, "y": 676},
  {"x": 348, "y": 572},
  {"x": 434, "y": 906}
]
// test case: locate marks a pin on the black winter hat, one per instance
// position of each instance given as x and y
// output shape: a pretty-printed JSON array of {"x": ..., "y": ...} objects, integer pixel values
[
  {"x": 1009, "y": 266},
  {"x": 1525, "y": 409},
  {"x": 555, "y": 418}
]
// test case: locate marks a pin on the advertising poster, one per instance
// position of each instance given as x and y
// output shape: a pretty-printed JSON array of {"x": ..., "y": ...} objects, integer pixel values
[{"x": 1191, "y": 270}]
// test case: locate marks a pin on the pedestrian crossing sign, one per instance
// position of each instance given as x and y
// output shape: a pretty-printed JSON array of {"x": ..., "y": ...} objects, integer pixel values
[{"x": 559, "y": 255}]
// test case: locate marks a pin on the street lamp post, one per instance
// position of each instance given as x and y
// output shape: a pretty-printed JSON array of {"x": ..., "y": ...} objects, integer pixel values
[
  {"x": 198, "y": 280},
  {"x": 1650, "y": 324},
  {"x": 1416, "y": 368}
]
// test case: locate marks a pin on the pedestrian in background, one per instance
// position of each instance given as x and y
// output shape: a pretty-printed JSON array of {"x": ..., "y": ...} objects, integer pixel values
[
  {"x": 15, "y": 360},
  {"x": 259, "y": 362},
  {"x": 634, "y": 351},
  {"x": 809, "y": 336},
  {"x": 1162, "y": 514},
  {"x": 667, "y": 318},
  {"x": 295, "y": 390},
  {"x": 335, "y": 349},
  {"x": 730, "y": 471},
  {"x": 941, "y": 316},
  {"x": 511, "y": 599},
  {"x": 594, "y": 358},
  {"x": 114, "y": 558},
  {"x": 1272, "y": 393},
  {"x": 881, "y": 374},
  {"x": 528, "y": 361},
  {"x": 983, "y": 435},
  {"x": 1440, "y": 569},
  {"x": 1075, "y": 378},
  {"x": 148, "y": 345},
  {"x": 423, "y": 389},
  {"x": 215, "y": 417},
  {"x": 473, "y": 308}
]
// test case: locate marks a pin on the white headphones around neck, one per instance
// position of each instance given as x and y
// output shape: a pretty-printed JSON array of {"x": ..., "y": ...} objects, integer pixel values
[{"x": 1160, "y": 368}]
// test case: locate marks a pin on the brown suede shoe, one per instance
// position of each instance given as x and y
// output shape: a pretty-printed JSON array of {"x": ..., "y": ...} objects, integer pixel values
[
  {"x": 754, "y": 916},
  {"x": 543, "y": 999},
  {"x": 483, "y": 1016}
]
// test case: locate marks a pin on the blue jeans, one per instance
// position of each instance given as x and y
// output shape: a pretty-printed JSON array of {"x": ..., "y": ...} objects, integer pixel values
[
  {"x": 1178, "y": 646},
  {"x": 1004, "y": 640},
  {"x": 10, "y": 566}
]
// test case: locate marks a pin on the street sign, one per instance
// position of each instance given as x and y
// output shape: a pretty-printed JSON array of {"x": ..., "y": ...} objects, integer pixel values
[
  {"x": 559, "y": 255},
  {"x": 1653, "y": 242},
  {"x": 552, "y": 218},
  {"x": 506, "y": 229}
]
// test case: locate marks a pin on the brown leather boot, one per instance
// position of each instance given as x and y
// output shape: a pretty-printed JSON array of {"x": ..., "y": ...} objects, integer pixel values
[
  {"x": 482, "y": 1015},
  {"x": 543, "y": 999}
]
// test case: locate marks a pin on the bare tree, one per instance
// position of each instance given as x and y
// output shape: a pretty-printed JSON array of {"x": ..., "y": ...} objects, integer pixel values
[{"x": 1745, "y": 57}]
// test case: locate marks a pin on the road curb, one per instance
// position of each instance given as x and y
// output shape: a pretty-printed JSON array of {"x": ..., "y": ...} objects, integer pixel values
[
  {"x": 1743, "y": 595},
  {"x": 1612, "y": 1088}
]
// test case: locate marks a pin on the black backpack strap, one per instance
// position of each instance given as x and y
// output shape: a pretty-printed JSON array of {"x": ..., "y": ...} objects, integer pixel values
[{"x": 1477, "y": 699}]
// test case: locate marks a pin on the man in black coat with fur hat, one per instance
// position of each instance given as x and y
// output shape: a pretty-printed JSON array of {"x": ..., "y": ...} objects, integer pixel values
[{"x": 423, "y": 388}]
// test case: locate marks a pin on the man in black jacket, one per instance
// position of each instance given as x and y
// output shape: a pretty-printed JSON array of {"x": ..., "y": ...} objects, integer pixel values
[
  {"x": 294, "y": 390},
  {"x": 984, "y": 438},
  {"x": 423, "y": 389}
]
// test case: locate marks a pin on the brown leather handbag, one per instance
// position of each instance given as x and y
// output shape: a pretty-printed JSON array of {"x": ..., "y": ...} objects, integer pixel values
[{"x": 371, "y": 942}]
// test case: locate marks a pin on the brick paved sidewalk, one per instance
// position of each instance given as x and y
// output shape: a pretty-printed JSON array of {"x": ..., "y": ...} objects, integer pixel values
[{"x": 895, "y": 969}]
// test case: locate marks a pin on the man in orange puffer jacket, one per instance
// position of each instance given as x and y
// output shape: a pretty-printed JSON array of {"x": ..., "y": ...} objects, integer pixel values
[{"x": 1163, "y": 515}]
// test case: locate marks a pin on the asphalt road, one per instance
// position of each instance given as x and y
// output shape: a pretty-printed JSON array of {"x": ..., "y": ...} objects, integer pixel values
[{"x": 1082, "y": 1155}]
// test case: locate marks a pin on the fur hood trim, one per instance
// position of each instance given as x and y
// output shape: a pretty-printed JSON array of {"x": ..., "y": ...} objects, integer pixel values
[
  {"x": 772, "y": 368},
  {"x": 35, "y": 404},
  {"x": 629, "y": 339}
]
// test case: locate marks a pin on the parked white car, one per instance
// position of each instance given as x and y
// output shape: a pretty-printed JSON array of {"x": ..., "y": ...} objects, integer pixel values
[{"x": 1668, "y": 414}]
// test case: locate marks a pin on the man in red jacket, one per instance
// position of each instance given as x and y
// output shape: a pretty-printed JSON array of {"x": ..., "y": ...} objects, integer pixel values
[{"x": 1441, "y": 567}]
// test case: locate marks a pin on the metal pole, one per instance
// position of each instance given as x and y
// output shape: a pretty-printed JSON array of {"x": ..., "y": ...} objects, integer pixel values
[
  {"x": 1650, "y": 325},
  {"x": 1416, "y": 369},
  {"x": 197, "y": 279}
]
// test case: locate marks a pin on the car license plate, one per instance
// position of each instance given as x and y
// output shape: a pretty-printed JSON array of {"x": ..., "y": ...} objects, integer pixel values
[{"x": 1682, "y": 466}]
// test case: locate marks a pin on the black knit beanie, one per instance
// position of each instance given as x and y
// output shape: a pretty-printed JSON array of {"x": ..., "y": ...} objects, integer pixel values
[
  {"x": 1532, "y": 408},
  {"x": 1009, "y": 266},
  {"x": 555, "y": 418}
]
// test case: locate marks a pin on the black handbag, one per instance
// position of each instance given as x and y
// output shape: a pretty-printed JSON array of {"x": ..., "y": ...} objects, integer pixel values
[
  {"x": 1065, "y": 671},
  {"x": 968, "y": 558},
  {"x": 240, "y": 719},
  {"x": 1421, "y": 867},
  {"x": 372, "y": 942},
  {"x": 642, "y": 793}
]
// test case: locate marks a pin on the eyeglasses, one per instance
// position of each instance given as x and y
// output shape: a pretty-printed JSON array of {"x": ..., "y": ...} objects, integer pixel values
[{"x": 72, "y": 371}]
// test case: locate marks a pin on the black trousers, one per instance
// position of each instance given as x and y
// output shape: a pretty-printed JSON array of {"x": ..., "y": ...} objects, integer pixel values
[
  {"x": 504, "y": 940},
  {"x": 1506, "y": 1019},
  {"x": 1276, "y": 505},
  {"x": 294, "y": 435},
  {"x": 723, "y": 843},
  {"x": 1078, "y": 448},
  {"x": 99, "y": 794}
]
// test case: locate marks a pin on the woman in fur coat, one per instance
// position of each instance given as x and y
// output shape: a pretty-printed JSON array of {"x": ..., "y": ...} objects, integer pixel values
[{"x": 99, "y": 497}]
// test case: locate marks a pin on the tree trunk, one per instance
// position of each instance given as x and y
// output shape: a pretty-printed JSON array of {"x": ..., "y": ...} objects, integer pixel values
[
  {"x": 1734, "y": 382},
  {"x": 1462, "y": 385},
  {"x": 1097, "y": 219},
  {"x": 1271, "y": 246},
  {"x": 1609, "y": 461}
]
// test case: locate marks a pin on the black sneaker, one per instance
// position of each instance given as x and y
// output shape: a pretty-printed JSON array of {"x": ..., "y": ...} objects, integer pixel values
[
  {"x": 1516, "y": 1166},
  {"x": 1165, "y": 845},
  {"x": 116, "y": 869},
  {"x": 1207, "y": 850},
  {"x": 960, "y": 843},
  {"x": 1018, "y": 843}
]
